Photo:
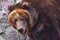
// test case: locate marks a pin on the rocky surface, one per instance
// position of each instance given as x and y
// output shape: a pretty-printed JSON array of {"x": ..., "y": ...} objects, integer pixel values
[{"x": 6, "y": 31}]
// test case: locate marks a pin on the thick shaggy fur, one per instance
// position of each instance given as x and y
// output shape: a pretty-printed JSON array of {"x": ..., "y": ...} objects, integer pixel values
[
  {"x": 46, "y": 17},
  {"x": 18, "y": 15}
]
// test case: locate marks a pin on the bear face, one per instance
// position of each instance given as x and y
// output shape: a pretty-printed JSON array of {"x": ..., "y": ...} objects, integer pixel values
[
  {"x": 46, "y": 18},
  {"x": 22, "y": 18},
  {"x": 19, "y": 18},
  {"x": 22, "y": 21}
]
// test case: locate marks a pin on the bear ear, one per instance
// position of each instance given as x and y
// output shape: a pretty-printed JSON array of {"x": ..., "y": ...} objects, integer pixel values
[
  {"x": 10, "y": 8},
  {"x": 25, "y": 5}
]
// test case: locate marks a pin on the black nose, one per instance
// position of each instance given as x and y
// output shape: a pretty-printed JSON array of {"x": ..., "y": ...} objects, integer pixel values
[{"x": 20, "y": 30}]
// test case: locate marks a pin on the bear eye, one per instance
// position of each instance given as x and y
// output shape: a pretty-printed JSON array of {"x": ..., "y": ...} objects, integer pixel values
[
  {"x": 22, "y": 19},
  {"x": 15, "y": 20}
]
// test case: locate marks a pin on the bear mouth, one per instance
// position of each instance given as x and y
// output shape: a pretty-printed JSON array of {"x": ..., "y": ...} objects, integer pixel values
[
  {"x": 21, "y": 27},
  {"x": 24, "y": 32}
]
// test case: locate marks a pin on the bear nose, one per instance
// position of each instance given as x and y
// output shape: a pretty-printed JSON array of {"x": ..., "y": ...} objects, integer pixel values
[{"x": 20, "y": 30}]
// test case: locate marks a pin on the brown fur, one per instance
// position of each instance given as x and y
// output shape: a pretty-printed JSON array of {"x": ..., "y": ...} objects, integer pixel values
[
  {"x": 21, "y": 13},
  {"x": 46, "y": 18}
]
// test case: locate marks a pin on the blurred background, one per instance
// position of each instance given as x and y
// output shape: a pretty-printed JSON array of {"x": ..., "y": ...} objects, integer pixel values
[{"x": 6, "y": 31}]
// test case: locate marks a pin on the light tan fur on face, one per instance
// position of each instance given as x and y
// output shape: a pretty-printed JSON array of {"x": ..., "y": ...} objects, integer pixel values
[{"x": 18, "y": 15}]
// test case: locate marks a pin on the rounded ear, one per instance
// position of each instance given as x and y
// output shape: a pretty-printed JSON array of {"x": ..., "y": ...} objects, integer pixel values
[
  {"x": 10, "y": 8},
  {"x": 25, "y": 5}
]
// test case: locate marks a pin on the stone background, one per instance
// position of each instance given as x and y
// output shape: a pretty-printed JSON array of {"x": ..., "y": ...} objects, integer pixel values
[{"x": 6, "y": 31}]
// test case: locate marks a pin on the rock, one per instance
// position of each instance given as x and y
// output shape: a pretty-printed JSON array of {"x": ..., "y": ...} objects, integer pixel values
[
  {"x": 3, "y": 20},
  {"x": 1, "y": 38},
  {"x": 3, "y": 17},
  {"x": 11, "y": 34},
  {"x": 6, "y": 31}
]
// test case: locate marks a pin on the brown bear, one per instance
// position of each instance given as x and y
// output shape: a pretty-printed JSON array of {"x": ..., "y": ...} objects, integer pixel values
[
  {"x": 21, "y": 20},
  {"x": 39, "y": 19}
]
